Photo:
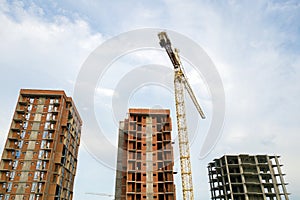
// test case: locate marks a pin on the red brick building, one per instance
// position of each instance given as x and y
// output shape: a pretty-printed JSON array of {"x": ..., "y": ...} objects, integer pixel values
[
  {"x": 40, "y": 155},
  {"x": 145, "y": 156}
]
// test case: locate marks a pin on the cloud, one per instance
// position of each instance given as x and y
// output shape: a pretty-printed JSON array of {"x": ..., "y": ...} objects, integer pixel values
[
  {"x": 56, "y": 48},
  {"x": 105, "y": 92},
  {"x": 254, "y": 45},
  {"x": 36, "y": 52}
]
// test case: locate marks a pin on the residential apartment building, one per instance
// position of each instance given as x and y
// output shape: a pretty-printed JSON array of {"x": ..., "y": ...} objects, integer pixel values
[
  {"x": 40, "y": 155},
  {"x": 145, "y": 156},
  {"x": 247, "y": 177}
]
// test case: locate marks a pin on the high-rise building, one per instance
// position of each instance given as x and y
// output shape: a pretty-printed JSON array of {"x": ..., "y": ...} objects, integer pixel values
[
  {"x": 247, "y": 177},
  {"x": 40, "y": 155},
  {"x": 145, "y": 156}
]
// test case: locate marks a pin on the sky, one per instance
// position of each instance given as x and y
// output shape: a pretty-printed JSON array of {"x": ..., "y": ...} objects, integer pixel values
[{"x": 254, "y": 46}]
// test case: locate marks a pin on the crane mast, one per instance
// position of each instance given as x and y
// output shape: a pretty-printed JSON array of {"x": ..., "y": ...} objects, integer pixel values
[{"x": 181, "y": 82}]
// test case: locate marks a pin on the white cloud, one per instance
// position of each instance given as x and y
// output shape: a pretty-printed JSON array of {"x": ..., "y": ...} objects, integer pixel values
[
  {"x": 104, "y": 92},
  {"x": 255, "y": 47},
  {"x": 35, "y": 43}
]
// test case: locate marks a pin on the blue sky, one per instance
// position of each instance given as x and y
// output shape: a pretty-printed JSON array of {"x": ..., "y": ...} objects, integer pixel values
[{"x": 254, "y": 45}]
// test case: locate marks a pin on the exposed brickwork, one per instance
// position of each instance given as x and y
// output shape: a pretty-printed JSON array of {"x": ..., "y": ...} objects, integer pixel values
[
  {"x": 40, "y": 155},
  {"x": 145, "y": 156}
]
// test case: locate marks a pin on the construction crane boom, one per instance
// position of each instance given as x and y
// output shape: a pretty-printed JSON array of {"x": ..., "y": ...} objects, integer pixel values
[
  {"x": 192, "y": 95},
  {"x": 100, "y": 194},
  {"x": 181, "y": 82}
]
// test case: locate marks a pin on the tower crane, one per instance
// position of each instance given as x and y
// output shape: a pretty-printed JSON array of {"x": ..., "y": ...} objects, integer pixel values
[{"x": 181, "y": 82}]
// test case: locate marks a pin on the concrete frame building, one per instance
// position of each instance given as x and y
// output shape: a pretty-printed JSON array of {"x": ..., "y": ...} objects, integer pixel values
[
  {"x": 40, "y": 155},
  {"x": 145, "y": 156},
  {"x": 247, "y": 177}
]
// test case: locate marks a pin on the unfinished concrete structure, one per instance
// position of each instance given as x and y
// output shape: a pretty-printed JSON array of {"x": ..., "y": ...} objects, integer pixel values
[
  {"x": 145, "y": 156},
  {"x": 40, "y": 155},
  {"x": 247, "y": 177}
]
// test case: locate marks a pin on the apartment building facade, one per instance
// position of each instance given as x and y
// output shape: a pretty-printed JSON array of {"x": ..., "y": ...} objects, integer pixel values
[
  {"x": 247, "y": 177},
  {"x": 145, "y": 156},
  {"x": 40, "y": 155}
]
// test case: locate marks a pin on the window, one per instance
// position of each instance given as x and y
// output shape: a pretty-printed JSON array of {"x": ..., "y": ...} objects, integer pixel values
[
  {"x": 47, "y": 125},
  {"x": 36, "y": 175},
  {"x": 29, "y": 108},
  {"x": 44, "y": 164},
  {"x": 48, "y": 116},
  {"x": 9, "y": 185},
  {"x": 31, "y": 197},
  {"x": 15, "y": 164},
  {"x": 48, "y": 145},
  {"x": 38, "y": 164},
  {"x": 45, "y": 134},
  {"x": 27, "y": 116},
  {"x": 12, "y": 175},
  {"x": 41, "y": 154},
  {"x": 50, "y": 108},
  {"x": 25, "y": 124},
  {"x": 33, "y": 187},
  {"x": 43, "y": 144},
  {"x": 42, "y": 175},
  {"x": 18, "y": 153},
  {"x": 23, "y": 134},
  {"x": 40, "y": 187}
]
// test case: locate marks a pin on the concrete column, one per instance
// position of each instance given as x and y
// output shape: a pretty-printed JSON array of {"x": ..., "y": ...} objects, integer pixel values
[{"x": 149, "y": 159}]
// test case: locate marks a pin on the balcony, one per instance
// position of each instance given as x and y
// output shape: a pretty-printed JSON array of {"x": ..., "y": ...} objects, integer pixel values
[
  {"x": 4, "y": 169},
  {"x": 9, "y": 157},
  {"x": 13, "y": 136},
  {"x": 23, "y": 102},
  {"x": 16, "y": 127},
  {"x": 18, "y": 118},
  {"x": 11, "y": 147},
  {"x": 20, "y": 110}
]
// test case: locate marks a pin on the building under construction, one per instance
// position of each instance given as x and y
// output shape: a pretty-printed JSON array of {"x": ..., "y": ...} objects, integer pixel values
[
  {"x": 40, "y": 155},
  {"x": 247, "y": 177},
  {"x": 145, "y": 156}
]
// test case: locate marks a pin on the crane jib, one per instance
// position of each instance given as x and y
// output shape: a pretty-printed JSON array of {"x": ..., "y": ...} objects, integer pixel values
[{"x": 181, "y": 82}]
